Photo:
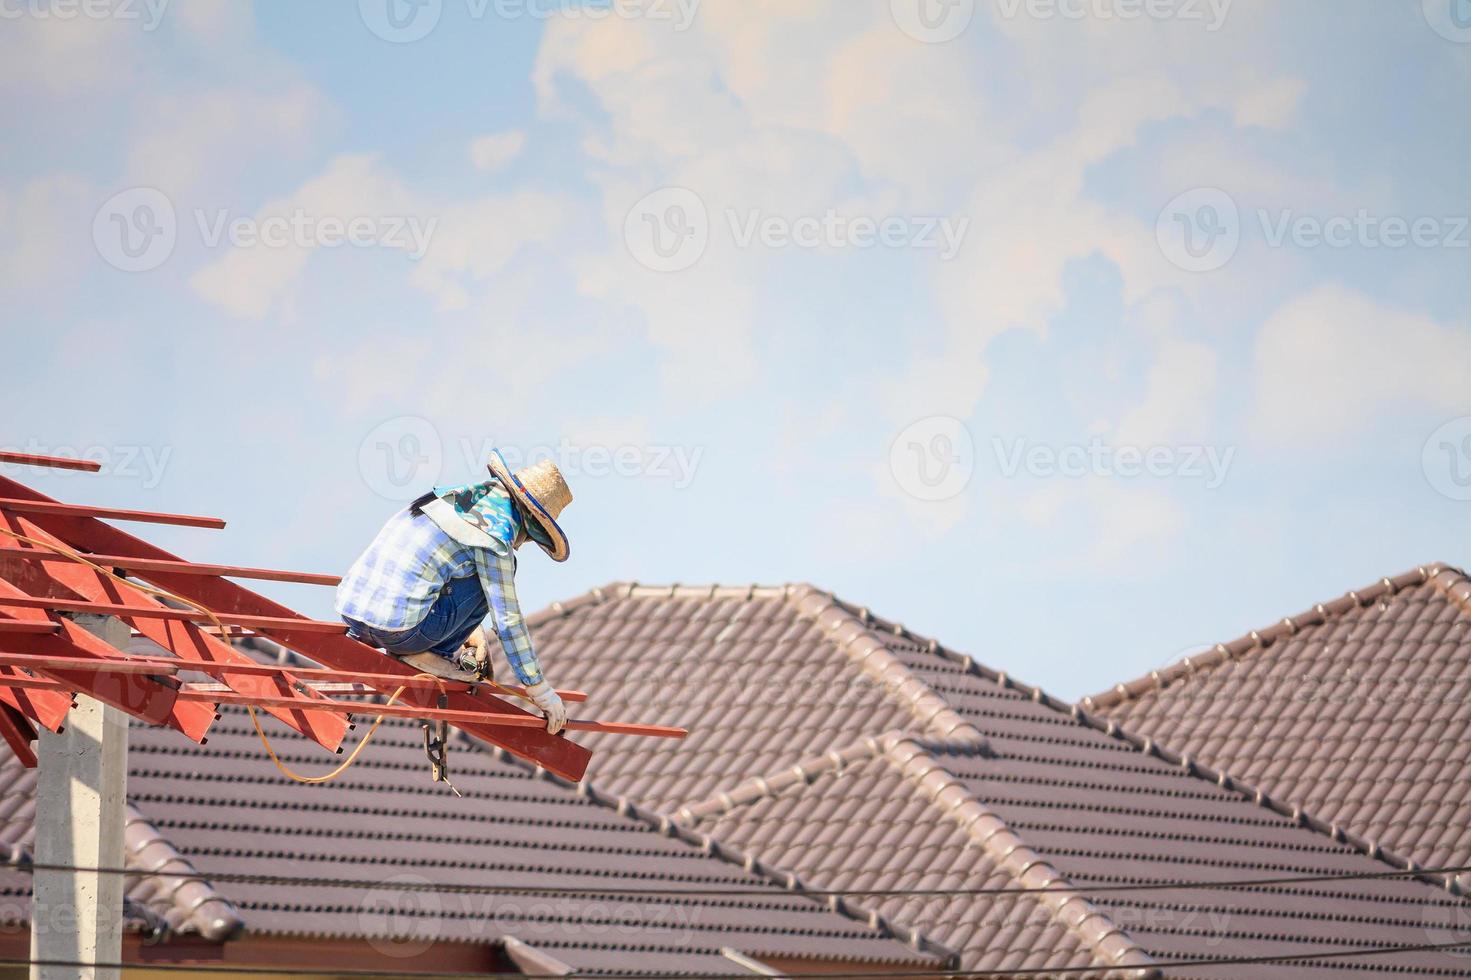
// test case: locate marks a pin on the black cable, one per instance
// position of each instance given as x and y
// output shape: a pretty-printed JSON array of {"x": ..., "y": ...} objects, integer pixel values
[
  {"x": 774, "y": 891},
  {"x": 934, "y": 974}
]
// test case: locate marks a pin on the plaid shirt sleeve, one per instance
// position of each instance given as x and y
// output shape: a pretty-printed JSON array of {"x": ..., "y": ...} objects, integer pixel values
[{"x": 498, "y": 579}]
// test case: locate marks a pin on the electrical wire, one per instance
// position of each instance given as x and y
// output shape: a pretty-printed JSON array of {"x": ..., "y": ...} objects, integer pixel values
[{"x": 774, "y": 891}]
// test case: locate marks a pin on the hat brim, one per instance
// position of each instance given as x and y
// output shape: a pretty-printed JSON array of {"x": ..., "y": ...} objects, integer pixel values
[{"x": 555, "y": 545}]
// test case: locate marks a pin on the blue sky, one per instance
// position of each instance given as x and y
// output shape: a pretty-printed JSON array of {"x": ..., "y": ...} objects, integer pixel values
[{"x": 1194, "y": 355}]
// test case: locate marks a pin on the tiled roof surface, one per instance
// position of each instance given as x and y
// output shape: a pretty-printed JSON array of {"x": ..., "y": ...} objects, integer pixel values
[
  {"x": 384, "y": 825},
  {"x": 1358, "y": 710},
  {"x": 860, "y": 756},
  {"x": 156, "y": 903}
]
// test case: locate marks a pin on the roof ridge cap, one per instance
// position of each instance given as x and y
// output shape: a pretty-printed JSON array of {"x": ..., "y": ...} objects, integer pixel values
[
  {"x": 629, "y": 589},
  {"x": 1258, "y": 641},
  {"x": 184, "y": 886},
  {"x": 566, "y": 607},
  {"x": 1454, "y": 585},
  {"x": 853, "y": 637},
  {"x": 805, "y": 771},
  {"x": 667, "y": 825},
  {"x": 1010, "y": 852}
]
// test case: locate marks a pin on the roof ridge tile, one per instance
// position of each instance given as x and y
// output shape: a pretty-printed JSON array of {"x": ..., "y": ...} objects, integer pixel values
[
  {"x": 781, "y": 877},
  {"x": 853, "y": 637},
  {"x": 1010, "y": 852},
  {"x": 1003, "y": 845},
  {"x": 1447, "y": 578},
  {"x": 214, "y": 916}
]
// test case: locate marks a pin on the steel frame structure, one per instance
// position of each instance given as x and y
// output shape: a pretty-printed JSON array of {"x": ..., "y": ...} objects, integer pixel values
[{"x": 46, "y": 660}]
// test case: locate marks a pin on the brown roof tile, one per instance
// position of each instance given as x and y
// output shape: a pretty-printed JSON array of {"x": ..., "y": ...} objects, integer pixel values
[
  {"x": 222, "y": 810},
  {"x": 1357, "y": 710},
  {"x": 842, "y": 747}
]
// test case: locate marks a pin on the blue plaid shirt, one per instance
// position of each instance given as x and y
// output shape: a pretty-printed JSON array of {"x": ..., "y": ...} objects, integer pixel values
[{"x": 393, "y": 584}]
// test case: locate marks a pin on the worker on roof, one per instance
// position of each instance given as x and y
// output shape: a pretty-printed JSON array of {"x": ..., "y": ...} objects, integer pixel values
[{"x": 438, "y": 567}]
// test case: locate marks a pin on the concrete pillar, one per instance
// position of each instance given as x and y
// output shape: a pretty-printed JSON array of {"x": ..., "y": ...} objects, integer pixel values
[{"x": 81, "y": 798}]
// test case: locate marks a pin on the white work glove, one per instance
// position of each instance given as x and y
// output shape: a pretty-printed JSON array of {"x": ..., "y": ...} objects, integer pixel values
[{"x": 550, "y": 703}]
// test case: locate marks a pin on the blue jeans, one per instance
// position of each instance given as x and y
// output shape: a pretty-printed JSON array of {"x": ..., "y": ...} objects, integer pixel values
[{"x": 460, "y": 608}]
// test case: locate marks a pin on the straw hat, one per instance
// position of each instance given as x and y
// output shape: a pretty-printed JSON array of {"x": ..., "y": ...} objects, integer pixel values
[{"x": 543, "y": 495}]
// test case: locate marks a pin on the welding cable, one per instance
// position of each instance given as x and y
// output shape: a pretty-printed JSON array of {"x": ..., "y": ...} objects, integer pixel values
[{"x": 203, "y": 610}]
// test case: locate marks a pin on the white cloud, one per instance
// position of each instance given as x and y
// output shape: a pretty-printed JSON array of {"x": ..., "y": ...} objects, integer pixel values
[
  {"x": 43, "y": 231},
  {"x": 474, "y": 240},
  {"x": 197, "y": 145},
  {"x": 496, "y": 151},
  {"x": 1271, "y": 105},
  {"x": 1179, "y": 398},
  {"x": 60, "y": 58},
  {"x": 1127, "y": 527},
  {"x": 248, "y": 282},
  {"x": 1331, "y": 361},
  {"x": 463, "y": 243}
]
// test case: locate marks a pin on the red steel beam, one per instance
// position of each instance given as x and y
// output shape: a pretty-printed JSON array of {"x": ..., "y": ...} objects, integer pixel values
[
  {"x": 128, "y": 666},
  {"x": 146, "y": 665},
  {"x": 56, "y": 508},
  {"x": 143, "y": 566},
  {"x": 164, "y": 612},
  {"x": 185, "y": 640},
  {"x": 554, "y": 753},
  {"x": 459, "y": 718},
  {"x": 46, "y": 708},
  {"x": 16, "y": 626},
  {"x": 18, "y": 734},
  {"x": 52, "y": 462}
]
